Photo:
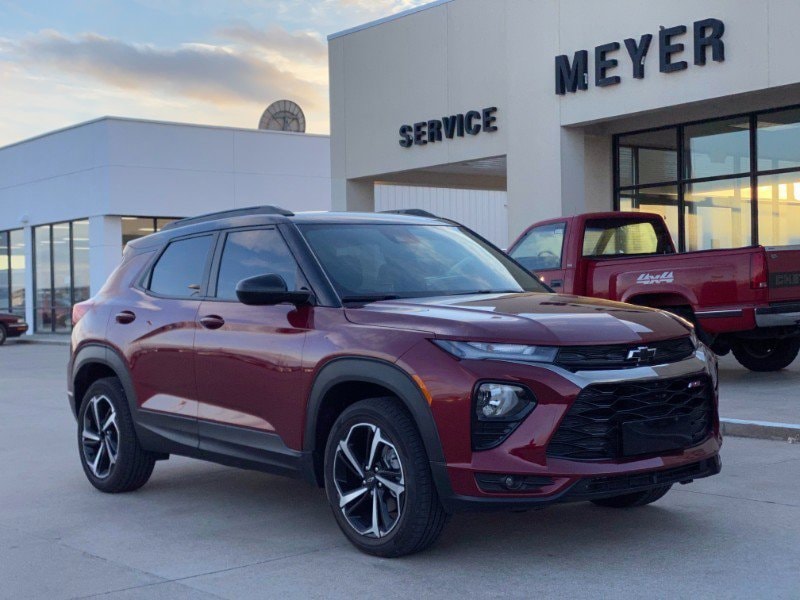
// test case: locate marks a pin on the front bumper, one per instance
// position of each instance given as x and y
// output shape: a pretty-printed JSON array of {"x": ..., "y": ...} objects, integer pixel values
[
  {"x": 524, "y": 454},
  {"x": 16, "y": 329},
  {"x": 779, "y": 315}
]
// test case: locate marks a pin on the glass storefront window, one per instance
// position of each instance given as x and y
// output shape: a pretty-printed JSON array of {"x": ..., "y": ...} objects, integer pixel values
[
  {"x": 661, "y": 200},
  {"x": 779, "y": 209},
  {"x": 717, "y": 148},
  {"x": 43, "y": 297},
  {"x": 135, "y": 227},
  {"x": 62, "y": 276},
  {"x": 5, "y": 273},
  {"x": 779, "y": 140},
  {"x": 80, "y": 261},
  {"x": 718, "y": 214},
  {"x": 650, "y": 157},
  {"x": 16, "y": 240}
]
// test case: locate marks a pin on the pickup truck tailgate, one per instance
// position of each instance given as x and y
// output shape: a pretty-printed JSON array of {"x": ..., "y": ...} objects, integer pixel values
[{"x": 783, "y": 265}]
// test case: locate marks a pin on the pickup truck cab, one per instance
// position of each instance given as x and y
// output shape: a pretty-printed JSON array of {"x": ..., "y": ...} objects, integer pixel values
[{"x": 744, "y": 300}]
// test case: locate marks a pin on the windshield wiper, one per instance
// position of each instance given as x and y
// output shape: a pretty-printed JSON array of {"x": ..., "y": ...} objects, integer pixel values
[{"x": 368, "y": 299}]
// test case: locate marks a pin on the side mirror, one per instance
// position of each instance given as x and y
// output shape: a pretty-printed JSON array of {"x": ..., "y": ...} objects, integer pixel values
[{"x": 269, "y": 290}]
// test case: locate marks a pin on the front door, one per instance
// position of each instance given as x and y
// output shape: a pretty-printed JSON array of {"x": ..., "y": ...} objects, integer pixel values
[
  {"x": 249, "y": 358},
  {"x": 541, "y": 252}
]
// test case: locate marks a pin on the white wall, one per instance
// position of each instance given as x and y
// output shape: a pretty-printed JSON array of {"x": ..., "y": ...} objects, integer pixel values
[{"x": 482, "y": 211}]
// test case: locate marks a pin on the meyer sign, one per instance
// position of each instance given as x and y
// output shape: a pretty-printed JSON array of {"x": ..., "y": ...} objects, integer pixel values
[
  {"x": 574, "y": 76},
  {"x": 437, "y": 130}
]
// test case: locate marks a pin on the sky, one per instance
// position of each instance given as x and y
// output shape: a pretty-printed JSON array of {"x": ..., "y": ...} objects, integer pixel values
[{"x": 218, "y": 62}]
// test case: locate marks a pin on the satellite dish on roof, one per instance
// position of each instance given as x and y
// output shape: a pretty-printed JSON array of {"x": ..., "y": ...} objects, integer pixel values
[{"x": 283, "y": 115}]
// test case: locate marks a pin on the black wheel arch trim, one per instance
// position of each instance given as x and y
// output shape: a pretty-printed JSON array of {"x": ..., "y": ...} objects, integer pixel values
[
  {"x": 377, "y": 372},
  {"x": 108, "y": 357}
]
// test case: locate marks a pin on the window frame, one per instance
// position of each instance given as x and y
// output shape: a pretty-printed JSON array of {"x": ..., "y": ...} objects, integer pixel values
[
  {"x": 682, "y": 181},
  {"x": 147, "y": 278},
  {"x": 213, "y": 275},
  {"x": 563, "y": 225},
  {"x": 598, "y": 257}
]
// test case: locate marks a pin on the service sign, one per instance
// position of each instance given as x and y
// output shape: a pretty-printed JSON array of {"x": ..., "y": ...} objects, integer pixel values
[{"x": 434, "y": 131}]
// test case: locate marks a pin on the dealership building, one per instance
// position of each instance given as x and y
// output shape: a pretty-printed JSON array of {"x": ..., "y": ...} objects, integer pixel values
[{"x": 684, "y": 108}]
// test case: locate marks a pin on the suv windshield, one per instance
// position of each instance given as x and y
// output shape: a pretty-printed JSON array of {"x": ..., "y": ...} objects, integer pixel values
[{"x": 374, "y": 262}]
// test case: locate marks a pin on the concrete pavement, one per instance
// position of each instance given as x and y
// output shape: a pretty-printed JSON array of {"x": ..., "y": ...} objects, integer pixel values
[{"x": 199, "y": 530}]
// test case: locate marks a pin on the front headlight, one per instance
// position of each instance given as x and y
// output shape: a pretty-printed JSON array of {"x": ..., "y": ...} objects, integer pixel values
[
  {"x": 503, "y": 402},
  {"x": 20, "y": 320},
  {"x": 488, "y": 351}
]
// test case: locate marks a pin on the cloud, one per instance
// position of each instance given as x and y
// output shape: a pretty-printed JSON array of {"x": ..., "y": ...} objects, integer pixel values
[
  {"x": 295, "y": 45},
  {"x": 200, "y": 71}
]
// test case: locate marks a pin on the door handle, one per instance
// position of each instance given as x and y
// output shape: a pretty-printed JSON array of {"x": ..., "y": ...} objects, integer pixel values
[
  {"x": 212, "y": 322},
  {"x": 125, "y": 317},
  {"x": 556, "y": 283}
]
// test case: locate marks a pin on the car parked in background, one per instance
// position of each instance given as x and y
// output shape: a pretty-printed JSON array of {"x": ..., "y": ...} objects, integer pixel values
[
  {"x": 403, "y": 363},
  {"x": 745, "y": 300},
  {"x": 11, "y": 326}
]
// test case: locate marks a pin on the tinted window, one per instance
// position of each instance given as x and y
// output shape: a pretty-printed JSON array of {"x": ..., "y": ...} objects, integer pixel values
[
  {"x": 251, "y": 253},
  {"x": 179, "y": 271},
  {"x": 615, "y": 237},
  {"x": 541, "y": 249},
  {"x": 410, "y": 261}
]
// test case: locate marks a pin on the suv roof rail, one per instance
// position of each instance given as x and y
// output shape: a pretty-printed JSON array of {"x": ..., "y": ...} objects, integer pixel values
[
  {"x": 411, "y": 212},
  {"x": 227, "y": 214}
]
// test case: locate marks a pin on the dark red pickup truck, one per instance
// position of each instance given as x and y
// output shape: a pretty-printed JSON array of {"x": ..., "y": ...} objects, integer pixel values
[{"x": 744, "y": 300}]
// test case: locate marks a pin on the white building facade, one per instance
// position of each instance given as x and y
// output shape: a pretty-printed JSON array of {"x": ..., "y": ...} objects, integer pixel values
[
  {"x": 71, "y": 199},
  {"x": 685, "y": 108}
]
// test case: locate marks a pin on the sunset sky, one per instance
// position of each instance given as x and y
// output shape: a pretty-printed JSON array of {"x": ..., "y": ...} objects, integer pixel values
[{"x": 203, "y": 61}]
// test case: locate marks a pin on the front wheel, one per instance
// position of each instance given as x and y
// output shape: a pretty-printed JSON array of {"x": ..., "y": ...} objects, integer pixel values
[
  {"x": 767, "y": 355},
  {"x": 3, "y": 334},
  {"x": 378, "y": 480},
  {"x": 634, "y": 499}
]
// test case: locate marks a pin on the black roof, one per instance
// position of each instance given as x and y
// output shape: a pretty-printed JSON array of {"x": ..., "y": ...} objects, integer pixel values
[{"x": 270, "y": 215}]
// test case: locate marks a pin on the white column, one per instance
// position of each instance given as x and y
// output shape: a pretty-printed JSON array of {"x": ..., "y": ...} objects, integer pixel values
[
  {"x": 353, "y": 195},
  {"x": 30, "y": 298},
  {"x": 105, "y": 249}
]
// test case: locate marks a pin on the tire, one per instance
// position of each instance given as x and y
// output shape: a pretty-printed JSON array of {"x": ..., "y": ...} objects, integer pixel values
[
  {"x": 634, "y": 499},
  {"x": 110, "y": 454},
  {"x": 767, "y": 355},
  {"x": 3, "y": 334},
  {"x": 394, "y": 510}
]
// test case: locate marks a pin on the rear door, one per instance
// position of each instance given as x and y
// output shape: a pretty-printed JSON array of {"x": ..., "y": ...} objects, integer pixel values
[
  {"x": 783, "y": 266},
  {"x": 541, "y": 251}
]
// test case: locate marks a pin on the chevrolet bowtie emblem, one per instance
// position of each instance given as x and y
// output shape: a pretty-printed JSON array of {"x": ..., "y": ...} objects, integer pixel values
[{"x": 642, "y": 354}]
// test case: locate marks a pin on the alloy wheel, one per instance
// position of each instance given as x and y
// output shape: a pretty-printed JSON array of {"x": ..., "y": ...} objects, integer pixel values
[
  {"x": 370, "y": 482},
  {"x": 100, "y": 437}
]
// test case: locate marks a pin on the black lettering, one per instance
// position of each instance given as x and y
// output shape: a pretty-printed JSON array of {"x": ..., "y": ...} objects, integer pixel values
[
  {"x": 703, "y": 39},
  {"x": 489, "y": 119},
  {"x": 638, "y": 53},
  {"x": 406, "y": 141},
  {"x": 449, "y": 126},
  {"x": 603, "y": 64},
  {"x": 434, "y": 131},
  {"x": 667, "y": 49},
  {"x": 575, "y": 77},
  {"x": 460, "y": 125},
  {"x": 469, "y": 121},
  {"x": 419, "y": 134}
]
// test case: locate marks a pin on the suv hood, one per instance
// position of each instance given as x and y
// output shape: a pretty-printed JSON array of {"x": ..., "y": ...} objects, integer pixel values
[{"x": 530, "y": 318}]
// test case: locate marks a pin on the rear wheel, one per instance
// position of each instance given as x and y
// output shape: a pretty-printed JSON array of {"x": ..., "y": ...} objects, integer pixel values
[
  {"x": 634, "y": 499},
  {"x": 767, "y": 355},
  {"x": 110, "y": 453},
  {"x": 3, "y": 334},
  {"x": 378, "y": 480}
]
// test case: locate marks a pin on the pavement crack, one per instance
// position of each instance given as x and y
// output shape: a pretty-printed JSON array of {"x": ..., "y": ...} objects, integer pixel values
[{"x": 740, "y": 498}]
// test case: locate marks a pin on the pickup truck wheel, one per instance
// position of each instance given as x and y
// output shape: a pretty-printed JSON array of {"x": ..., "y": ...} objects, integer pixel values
[
  {"x": 635, "y": 499},
  {"x": 767, "y": 355},
  {"x": 111, "y": 456},
  {"x": 378, "y": 480}
]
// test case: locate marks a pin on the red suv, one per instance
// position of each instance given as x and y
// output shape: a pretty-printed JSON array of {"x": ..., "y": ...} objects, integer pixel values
[{"x": 403, "y": 363}]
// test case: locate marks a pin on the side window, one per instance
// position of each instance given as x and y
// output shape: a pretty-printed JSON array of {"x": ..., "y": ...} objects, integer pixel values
[
  {"x": 542, "y": 248},
  {"x": 179, "y": 271},
  {"x": 254, "y": 252},
  {"x": 620, "y": 238}
]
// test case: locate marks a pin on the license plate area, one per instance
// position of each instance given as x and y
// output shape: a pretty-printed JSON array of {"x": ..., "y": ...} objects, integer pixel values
[{"x": 652, "y": 436}]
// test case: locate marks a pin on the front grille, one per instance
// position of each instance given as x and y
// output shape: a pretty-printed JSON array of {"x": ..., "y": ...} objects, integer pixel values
[
  {"x": 586, "y": 358},
  {"x": 592, "y": 428}
]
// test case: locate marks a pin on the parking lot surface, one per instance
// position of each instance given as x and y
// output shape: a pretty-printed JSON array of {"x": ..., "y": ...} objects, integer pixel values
[{"x": 199, "y": 530}]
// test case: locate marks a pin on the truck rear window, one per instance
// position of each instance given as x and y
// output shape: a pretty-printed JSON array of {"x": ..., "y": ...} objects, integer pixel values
[{"x": 623, "y": 237}]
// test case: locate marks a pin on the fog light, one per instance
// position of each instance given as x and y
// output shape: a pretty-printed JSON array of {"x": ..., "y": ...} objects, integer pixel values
[{"x": 502, "y": 402}]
